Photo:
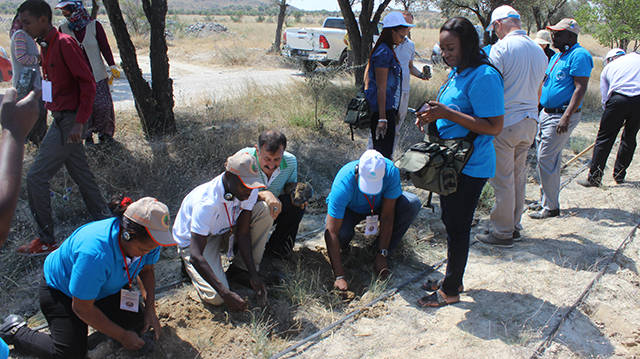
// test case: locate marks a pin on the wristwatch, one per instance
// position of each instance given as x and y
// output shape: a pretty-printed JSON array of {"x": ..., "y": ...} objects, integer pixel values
[{"x": 383, "y": 252}]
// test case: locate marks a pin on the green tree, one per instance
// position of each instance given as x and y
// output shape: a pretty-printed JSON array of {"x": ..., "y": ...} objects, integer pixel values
[{"x": 614, "y": 23}]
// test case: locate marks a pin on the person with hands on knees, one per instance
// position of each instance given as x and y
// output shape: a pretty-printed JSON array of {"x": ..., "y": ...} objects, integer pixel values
[
  {"x": 16, "y": 119},
  {"x": 88, "y": 281},
  {"x": 383, "y": 82},
  {"x": 472, "y": 99},
  {"x": 68, "y": 90},
  {"x": 279, "y": 172},
  {"x": 370, "y": 189},
  {"x": 220, "y": 213},
  {"x": 563, "y": 88}
]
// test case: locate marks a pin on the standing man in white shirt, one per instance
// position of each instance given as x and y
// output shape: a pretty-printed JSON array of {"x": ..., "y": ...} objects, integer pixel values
[
  {"x": 405, "y": 52},
  {"x": 219, "y": 212},
  {"x": 522, "y": 64},
  {"x": 620, "y": 90}
]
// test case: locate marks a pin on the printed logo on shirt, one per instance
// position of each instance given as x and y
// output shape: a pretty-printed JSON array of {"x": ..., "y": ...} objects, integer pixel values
[{"x": 560, "y": 75}]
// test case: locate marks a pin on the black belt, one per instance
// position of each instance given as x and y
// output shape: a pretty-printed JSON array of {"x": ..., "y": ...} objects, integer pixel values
[{"x": 558, "y": 110}]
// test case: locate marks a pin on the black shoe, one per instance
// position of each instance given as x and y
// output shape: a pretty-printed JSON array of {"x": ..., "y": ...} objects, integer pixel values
[
  {"x": 517, "y": 237},
  {"x": 492, "y": 240},
  {"x": 88, "y": 141},
  {"x": 10, "y": 326},
  {"x": 588, "y": 183},
  {"x": 106, "y": 139},
  {"x": 545, "y": 213}
]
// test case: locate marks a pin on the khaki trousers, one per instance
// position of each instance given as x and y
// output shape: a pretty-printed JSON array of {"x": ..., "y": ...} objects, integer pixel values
[
  {"x": 261, "y": 223},
  {"x": 509, "y": 182}
]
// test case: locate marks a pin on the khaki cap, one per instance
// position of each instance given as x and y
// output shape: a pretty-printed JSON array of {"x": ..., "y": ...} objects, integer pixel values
[{"x": 154, "y": 216}]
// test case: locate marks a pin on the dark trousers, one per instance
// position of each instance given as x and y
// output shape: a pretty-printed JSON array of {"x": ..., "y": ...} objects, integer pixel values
[
  {"x": 68, "y": 338},
  {"x": 619, "y": 110},
  {"x": 407, "y": 208},
  {"x": 384, "y": 145},
  {"x": 457, "y": 215},
  {"x": 283, "y": 237}
]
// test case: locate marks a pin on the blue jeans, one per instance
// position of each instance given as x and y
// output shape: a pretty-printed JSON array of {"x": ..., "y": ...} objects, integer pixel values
[
  {"x": 457, "y": 215},
  {"x": 407, "y": 207}
]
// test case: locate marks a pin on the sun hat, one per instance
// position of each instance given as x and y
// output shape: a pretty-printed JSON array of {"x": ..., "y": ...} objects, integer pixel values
[
  {"x": 502, "y": 12},
  {"x": 543, "y": 37},
  {"x": 245, "y": 166},
  {"x": 566, "y": 24},
  {"x": 371, "y": 170},
  {"x": 613, "y": 53},
  {"x": 394, "y": 19},
  {"x": 154, "y": 216}
]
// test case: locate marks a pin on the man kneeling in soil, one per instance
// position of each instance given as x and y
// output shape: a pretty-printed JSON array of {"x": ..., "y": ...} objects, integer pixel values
[
  {"x": 279, "y": 172},
  {"x": 368, "y": 189},
  {"x": 219, "y": 212}
]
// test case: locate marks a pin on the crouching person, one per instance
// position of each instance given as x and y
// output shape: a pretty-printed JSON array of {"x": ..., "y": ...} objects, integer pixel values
[
  {"x": 87, "y": 281},
  {"x": 368, "y": 189},
  {"x": 218, "y": 213}
]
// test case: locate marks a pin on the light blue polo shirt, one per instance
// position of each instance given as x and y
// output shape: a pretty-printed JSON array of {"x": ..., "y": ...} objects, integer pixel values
[
  {"x": 479, "y": 92},
  {"x": 89, "y": 264},
  {"x": 384, "y": 57},
  {"x": 558, "y": 85},
  {"x": 4, "y": 349},
  {"x": 345, "y": 192}
]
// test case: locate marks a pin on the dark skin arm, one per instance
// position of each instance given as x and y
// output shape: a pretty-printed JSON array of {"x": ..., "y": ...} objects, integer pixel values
[
  {"x": 576, "y": 99},
  {"x": 233, "y": 300},
  {"x": 16, "y": 120},
  {"x": 333, "y": 248},
  {"x": 387, "y": 216},
  {"x": 483, "y": 126},
  {"x": 244, "y": 245},
  {"x": 381, "y": 78},
  {"x": 147, "y": 283}
]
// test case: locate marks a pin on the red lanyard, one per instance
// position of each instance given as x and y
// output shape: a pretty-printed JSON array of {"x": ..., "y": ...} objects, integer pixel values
[
  {"x": 229, "y": 219},
  {"x": 46, "y": 58},
  {"x": 370, "y": 205},
  {"x": 126, "y": 266},
  {"x": 554, "y": 64}
]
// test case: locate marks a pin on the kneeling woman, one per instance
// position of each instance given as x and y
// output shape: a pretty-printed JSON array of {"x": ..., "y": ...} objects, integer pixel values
[{"x": 84, "y": 282}]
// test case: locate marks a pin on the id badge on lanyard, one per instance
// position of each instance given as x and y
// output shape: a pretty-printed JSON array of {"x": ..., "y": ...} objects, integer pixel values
[
  {"x": 129, "y": 300},
  {"x": 371, "y": 224}
]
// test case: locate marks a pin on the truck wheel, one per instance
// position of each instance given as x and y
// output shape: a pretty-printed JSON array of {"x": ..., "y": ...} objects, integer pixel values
[
  {"x": 309, "y": 66},
  {"x": 344, "y": 61}
]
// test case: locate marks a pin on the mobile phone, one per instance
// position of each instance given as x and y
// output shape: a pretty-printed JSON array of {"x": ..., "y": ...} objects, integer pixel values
[
  {"x": 25, "y": 82},
  {"x": 424, "y": 107}
]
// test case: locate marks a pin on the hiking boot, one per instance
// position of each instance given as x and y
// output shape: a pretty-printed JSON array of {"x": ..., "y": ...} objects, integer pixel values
[
  {"x": 37, "y": 248},
  {"x": 588, "y": 183},
  {"x": 106, "y": 139},
  {"x": 545, "y": 213},
  {"x": 517, "y": 237},
  {"x": 490, "y": 239},
  {"x": 10, "y": 326}
]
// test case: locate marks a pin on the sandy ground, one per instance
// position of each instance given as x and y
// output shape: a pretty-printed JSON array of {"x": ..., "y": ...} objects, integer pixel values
[{"x": 513, "y": 297}]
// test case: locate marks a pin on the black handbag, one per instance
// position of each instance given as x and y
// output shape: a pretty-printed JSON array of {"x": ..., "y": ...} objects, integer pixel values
[{"x": 358, "y": 112}]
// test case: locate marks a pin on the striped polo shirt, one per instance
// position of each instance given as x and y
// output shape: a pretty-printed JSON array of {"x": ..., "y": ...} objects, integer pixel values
[{"x": 288, "y": 172}]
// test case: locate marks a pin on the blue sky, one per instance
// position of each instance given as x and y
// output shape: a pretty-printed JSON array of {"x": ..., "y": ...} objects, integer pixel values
[{"x": 331, "y": 5}]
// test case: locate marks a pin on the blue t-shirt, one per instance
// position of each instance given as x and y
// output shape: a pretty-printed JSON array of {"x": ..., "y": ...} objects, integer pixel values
[
  {"x": 89, "y": 264},
  {"x": 558, "y": 85},
  {"x": 4, "y": 349},
  {"x": 345, "y": 192},
  {"x": 384, "y": 57},
  {"x": 479, "y": 92}
]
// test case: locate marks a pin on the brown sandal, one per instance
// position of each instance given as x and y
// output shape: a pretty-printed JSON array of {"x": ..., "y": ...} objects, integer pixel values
[{"x": 436, "y": 299}]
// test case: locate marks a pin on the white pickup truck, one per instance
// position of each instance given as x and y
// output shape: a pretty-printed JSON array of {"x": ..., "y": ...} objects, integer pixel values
[{"x": 313, "y": 45}]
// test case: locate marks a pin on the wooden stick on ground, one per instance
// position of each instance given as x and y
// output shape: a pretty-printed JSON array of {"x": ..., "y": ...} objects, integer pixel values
[{"x": 578, "y": 155}]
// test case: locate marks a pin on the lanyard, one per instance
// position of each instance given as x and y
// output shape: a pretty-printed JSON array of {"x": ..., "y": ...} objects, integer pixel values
[
  {"x": 46, "y": 58},
  {"x": 229, "y": 219},
  {"x": 370, "y": 204},
  {"x": 126, "y": 266},
  {"x": 558, "y": 59},
  {"x": 455, "y": 74}
]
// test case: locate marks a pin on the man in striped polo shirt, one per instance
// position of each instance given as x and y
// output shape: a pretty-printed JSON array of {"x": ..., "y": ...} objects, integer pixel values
[{"x": 277, "y": 168}]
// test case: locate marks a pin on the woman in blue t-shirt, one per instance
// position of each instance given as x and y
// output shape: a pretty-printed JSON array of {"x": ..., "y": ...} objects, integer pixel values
[
  {"x": 472, "y": 99},
  {"x": 383, "y": 82},
  {"x": 88, "y": 282}
]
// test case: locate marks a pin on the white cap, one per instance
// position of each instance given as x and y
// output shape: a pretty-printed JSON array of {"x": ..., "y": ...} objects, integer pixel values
[
  {"x": 394, "y": 19},
  {"x": 613, "y": 53},
  {"x": 502, "y": 12},
  {"x": 371, "y": 169}
]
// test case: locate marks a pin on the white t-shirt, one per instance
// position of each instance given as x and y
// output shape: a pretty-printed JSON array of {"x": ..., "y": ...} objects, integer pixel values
[
  {"x": 203, "y": 212},
  {"x": 522, "y": 63},
  {"x": 622, "y": 75},
  {"x": 405, "y": 53}
]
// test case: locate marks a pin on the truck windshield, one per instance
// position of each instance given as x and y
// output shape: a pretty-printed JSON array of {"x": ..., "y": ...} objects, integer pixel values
[{"x": 335, "y": 24}]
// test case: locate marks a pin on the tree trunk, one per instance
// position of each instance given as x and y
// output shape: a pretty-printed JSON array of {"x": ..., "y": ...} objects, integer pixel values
[
  {"x": 162, "y": 84},
  {"x": 95, "y": 7},
  {"x": 145, "y": 102},
  {"x": 275, "y": 48}
]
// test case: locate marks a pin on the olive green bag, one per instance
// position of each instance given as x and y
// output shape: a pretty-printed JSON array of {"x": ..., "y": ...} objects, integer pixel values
[{"x": 435, "y": 164}]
